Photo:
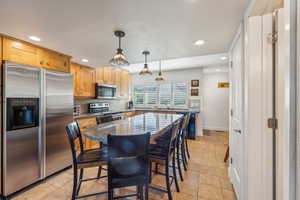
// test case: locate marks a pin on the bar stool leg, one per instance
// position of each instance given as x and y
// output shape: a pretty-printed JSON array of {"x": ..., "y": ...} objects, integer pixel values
[
  {"x": 183, "y": 157},
  {"x": 178, "y": 162},
  {"x": 99, "y": 172},
  {"x": 174, "y": 173},
  {"x": 80, "y": 179},
  {"x": 187, "y": 148},
  {"x": 75, "y": 180},
  {"x": 168, "y": 180},
  {"x": 146, "y": 191},
  {"x": 110, "y": 194}
]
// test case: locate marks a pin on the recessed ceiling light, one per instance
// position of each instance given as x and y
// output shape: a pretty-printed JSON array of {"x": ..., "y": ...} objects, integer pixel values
[
  {"x": 224, "y": 58},
  {"x": 35, "y": 38},
  {"x": 85, "y": 60},
  {"x": 199, "y": 42}
]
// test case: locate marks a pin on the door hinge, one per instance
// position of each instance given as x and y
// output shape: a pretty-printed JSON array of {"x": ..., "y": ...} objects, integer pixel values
[
  {"x": 231, "y": 64},
  {"x": 231, "y": 160},
  {"x": 272, "y": 123},
  {"x": 231, "y": 112},
  {"x": 272, "y": 38}
]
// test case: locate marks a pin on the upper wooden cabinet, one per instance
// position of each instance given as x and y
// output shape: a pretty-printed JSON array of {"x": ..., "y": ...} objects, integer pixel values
[
  {"x": 100, "y": 75},
  {"x": 1, "y": 40},
  {"x": 83, "y": 80},
  {"x": 20, "y": 52},
  {"x": 54, "y": 61},
  {"x": 114, "y": 76},
  {"x": 124, "y": 90},
  {"x": 29, "y": 54}
]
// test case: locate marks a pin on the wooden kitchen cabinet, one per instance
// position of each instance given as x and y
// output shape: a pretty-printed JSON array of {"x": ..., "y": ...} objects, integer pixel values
[
  {"x": 1, "y": 41},
  {"x": 28, "y": 54},
  {"x": 85, "y": 123},
  {"x": 54, "y": 61},
  {"x": 20, "y": 52},
  {"x": 124, "y": 89},
  {"x": 83, "y": 80},
  {"x": 100, "y": 75},
  {"x": 107, "y": 75}
]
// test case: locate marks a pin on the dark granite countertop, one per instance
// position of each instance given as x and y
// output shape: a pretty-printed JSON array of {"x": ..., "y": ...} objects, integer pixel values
[
  {"x": 87, "y": 115},
  {"x": 154, "y": 123}
]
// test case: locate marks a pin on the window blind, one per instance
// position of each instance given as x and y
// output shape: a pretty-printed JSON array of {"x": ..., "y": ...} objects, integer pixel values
[
  {"x": 138, "y": 95},
  {"x": 180, "y": 94},
  {"x": 165, "y": 94},
  {"x": 151, "y": 93}
]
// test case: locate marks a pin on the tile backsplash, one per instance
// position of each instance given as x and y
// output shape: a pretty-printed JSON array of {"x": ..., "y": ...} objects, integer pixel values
[{"x": 116, "y": 104}]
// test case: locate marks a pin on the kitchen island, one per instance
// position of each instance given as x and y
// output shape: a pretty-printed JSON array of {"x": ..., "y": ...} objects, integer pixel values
[{"x": 155, "y": 123}]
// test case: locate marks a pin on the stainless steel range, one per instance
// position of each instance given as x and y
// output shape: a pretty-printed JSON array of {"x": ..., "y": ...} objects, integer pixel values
[
  {"x": 37, "y": 104},
  {"x": 98, "y": 107}
]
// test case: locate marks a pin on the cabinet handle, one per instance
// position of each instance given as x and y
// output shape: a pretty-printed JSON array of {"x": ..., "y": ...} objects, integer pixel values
[
  {"x": 41, "y": 62},
  {"x": 65, "y": 64}
]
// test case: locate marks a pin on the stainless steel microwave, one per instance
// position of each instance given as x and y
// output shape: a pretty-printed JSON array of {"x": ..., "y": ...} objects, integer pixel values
[{"x": 105, "y": 91}]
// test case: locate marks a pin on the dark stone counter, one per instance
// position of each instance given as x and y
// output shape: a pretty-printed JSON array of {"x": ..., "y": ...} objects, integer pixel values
[{"x": 154, "y": 123}]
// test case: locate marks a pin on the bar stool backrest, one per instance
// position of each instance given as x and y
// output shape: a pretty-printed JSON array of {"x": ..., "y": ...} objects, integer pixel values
[
  {"x": 74, "y": 134},
  {"x": 128, "y": 156}
]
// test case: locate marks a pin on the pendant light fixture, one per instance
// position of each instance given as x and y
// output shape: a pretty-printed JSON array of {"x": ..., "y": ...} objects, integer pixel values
[
  {"x": 119, "y": 58},
  {"x": 159, "y": 77},
  {"x": 145, "y": 69}
]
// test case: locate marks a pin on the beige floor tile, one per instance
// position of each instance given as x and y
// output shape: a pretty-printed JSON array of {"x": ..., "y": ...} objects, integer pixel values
[{"x": 206, "y": 178}]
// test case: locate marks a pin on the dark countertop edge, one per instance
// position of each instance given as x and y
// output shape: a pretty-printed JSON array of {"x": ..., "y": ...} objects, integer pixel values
[{"x": 88, "y": 115}]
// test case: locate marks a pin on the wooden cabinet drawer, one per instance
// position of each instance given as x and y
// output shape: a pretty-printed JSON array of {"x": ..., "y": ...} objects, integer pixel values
[{"x": 20, "y": 52}]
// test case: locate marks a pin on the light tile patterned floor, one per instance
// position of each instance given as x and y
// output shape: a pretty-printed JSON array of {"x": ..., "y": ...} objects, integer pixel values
[{"x": 206, "y": 178}]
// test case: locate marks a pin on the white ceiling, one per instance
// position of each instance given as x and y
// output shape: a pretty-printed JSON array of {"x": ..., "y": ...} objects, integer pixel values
[
  {"x": 214, "y": 61},
  {"x": 84, "y": 28}
]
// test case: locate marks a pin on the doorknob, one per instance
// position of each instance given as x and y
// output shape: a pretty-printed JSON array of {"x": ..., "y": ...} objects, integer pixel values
[{"x": 237, "y": 130}]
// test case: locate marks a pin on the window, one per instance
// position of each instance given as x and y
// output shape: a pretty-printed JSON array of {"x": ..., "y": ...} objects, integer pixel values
[
  {"x": 151, "y": 92},
  {"x": 179, "y": 94},
  {"x": 138, "y": 95},
  {"x": 165, "y": 97},
  {"x": 167, "y": 94}
]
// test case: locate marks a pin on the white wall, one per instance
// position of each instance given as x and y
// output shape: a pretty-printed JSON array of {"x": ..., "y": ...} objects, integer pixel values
[{"x": 215, "y": 103}]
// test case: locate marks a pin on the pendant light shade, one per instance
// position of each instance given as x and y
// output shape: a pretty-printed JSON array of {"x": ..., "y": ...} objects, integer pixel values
[
  {"x": 145, "y": 70},
  {"x": 159, "y": 77},
  {"x": 119, "y": 59}
]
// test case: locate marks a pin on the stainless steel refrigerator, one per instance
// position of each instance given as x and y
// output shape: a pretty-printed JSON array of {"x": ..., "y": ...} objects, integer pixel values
[{"x": 37, "y": 104}]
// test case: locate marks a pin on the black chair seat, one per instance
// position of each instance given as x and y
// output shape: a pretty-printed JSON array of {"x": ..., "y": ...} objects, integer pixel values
[{"x": 92, "y": 158}]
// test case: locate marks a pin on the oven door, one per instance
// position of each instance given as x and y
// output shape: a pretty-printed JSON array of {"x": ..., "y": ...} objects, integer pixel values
[{"x": 22, "y": 113}]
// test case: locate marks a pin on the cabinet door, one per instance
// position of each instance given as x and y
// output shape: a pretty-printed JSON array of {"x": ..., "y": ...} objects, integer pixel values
[
  {"x": 54, "y": 61},
  {"x": 118, "y": 74},
  {"x": 1, "y": 48},
  {"x": 107, "y": 78},
  {"x": 20, "y": 52},
  {"x": 100, "y": 75},
  {"x": 74, "y": 69},
  {"x": 83, "y": 125},
  {"x": 125, "y": 84},
  {"x": 86, "y": 81}
]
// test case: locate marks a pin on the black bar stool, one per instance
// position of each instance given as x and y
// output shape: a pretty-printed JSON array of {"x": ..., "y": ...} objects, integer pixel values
[
  {"x": 163, "y": 154},
  {"x": 84, "y": 159},
  {"x": 128, "y": 164}
]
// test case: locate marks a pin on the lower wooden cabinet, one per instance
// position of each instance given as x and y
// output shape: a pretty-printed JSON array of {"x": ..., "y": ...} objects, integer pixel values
[{"x": 83, "y": 125}]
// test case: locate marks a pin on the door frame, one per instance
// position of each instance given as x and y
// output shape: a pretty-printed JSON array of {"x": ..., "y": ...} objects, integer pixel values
[{"x": 239, "y": 35}]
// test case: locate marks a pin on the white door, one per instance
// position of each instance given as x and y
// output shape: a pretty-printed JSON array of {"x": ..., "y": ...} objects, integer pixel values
[{"x": 236, "y": 99}]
